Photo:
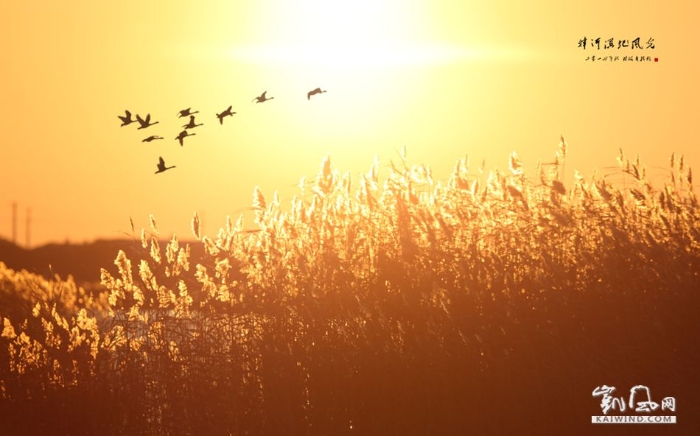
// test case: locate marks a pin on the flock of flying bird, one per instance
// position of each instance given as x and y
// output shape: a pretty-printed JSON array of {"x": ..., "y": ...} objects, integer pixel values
[{"x": 146, "y": 122}]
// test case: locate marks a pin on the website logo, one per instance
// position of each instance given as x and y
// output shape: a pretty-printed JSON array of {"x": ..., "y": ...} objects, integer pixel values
[{"x": 638, "y": 408}]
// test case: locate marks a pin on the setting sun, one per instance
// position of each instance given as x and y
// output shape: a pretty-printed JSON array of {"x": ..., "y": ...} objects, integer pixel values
[
  {"x": 326, "y": 34},
  {"x": 358, "y": 35}
]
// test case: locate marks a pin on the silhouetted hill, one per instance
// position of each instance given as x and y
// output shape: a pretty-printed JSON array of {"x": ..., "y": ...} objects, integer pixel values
[{"x": 82, "y": 261}]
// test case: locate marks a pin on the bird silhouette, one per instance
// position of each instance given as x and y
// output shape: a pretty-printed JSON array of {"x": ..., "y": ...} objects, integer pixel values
[
  {"x": 184, "y": 134},
  {"x": 161, "y": 166},
  {"x": 226, "y": 113},
  {"x": 314, "y": 92},
  {"x": 186, "y": 112},
  {"x": 145, "y": 123},
  {"x": 262, "y": 98},
  {"x": 151, "y": 138},
  {"x": 127, "y": 119},
  {"x": 191, "y": 124}
]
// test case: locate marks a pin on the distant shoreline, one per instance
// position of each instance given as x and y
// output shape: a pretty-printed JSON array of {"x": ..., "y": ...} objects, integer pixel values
[{"x": 82, "y": 261}]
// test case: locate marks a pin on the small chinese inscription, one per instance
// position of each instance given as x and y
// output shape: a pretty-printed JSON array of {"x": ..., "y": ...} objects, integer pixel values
[{"x": 612, "y": 43}]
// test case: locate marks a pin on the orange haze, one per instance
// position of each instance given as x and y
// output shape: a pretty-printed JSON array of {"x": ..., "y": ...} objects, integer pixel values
[{"x": 445, "y": 78}]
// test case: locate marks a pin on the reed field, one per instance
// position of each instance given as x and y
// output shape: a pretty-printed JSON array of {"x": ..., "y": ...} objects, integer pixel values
[{"x": 393, "y": 304}]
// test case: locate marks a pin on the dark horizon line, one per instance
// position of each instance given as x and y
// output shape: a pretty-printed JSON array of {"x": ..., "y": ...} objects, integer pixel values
[{"x": 97, "y": 240}]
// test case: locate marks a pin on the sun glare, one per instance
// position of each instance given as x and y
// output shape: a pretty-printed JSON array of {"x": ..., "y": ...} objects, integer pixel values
[
  {"x": 356, "y": 34},
  {"x": 350, "y": 54}
]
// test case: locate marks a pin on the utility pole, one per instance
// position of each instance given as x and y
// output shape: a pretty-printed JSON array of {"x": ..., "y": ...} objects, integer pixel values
[
  {"x": 28, "y": 226},
  {"x": 14, "y": 222}
]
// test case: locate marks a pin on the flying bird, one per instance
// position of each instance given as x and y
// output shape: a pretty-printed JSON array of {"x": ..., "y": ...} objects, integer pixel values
[
  {"x": 127, "y": 119},
  {"x": 314, "y": 92},
  {"x": 186, "y": 112},
  {"x": 184, "y": 134},
  {"x": 145, "y": 123},
  {"x": 262, "y": 98},
  {"x": 191, "y": 124},
  {"x": 161, "y": 166},
  {"x": 226, "y": 113},
  {"x": 151, "y": 138}
]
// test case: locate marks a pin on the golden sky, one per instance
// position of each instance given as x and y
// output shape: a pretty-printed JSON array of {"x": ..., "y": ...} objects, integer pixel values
[{"x": 446, "y": 78}]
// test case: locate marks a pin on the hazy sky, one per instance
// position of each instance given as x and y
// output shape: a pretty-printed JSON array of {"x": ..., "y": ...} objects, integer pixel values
[{"x": 444, "y": 78}]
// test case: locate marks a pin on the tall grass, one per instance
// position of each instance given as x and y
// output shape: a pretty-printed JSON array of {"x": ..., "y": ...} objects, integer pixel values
[{"x": 477, "y": 305}]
